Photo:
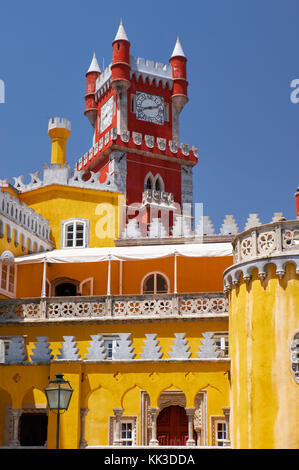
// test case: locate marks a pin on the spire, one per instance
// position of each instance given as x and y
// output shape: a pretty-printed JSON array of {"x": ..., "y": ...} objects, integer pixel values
[
  {"x": 94, "y": 66},
  {"x": 178, "y": 50},
  {"x": 121, "y": 34}
]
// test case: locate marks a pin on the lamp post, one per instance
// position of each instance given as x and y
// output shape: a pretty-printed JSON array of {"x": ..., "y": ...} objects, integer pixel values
[{"x": 59, "y": 393}]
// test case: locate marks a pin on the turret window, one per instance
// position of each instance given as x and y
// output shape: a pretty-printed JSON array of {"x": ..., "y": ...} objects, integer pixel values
[{"x": 74, "y": 233}]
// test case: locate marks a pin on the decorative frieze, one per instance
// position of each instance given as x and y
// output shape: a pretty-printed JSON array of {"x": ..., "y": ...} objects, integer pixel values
[
  {"x": 69, "y": 350},
  {"x": 180, "y": 348},
  {"x": 208, "y": 346},
  {"x": 42, "y": 351},
  {"x": 151, "y": 349}
]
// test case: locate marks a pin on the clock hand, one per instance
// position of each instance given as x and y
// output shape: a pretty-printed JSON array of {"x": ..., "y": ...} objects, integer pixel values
[{"x": 151, "y": 107}]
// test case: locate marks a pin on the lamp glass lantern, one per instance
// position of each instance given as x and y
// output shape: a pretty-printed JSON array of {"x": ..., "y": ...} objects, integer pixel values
[{"x": 59, "y": 393}]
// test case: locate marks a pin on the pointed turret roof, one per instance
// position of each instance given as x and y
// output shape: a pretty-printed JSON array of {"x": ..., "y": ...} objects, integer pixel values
[
  {"x": 94, "y": 66},
  {"x": 121, "y": 34},
  {"x": 178, "y": 50}
]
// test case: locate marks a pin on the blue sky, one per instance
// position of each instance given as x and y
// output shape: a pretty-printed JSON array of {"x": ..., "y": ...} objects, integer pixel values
[{"x": 242, "y": 56}]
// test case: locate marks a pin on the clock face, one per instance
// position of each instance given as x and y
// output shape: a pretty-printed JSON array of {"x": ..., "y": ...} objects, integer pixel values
[
  {"x": 106, "y": 114},
  {"x": 149, "y": 108}
]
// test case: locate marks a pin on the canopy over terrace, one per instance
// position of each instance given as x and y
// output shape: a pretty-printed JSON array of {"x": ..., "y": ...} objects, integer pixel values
[{"x": 130, "y": 253}]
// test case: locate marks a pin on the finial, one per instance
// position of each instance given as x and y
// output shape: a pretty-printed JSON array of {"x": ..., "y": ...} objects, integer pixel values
[
  {"x": 121, "y": 34},
  {"x": 178, "y": 50},
  {"x": 94, "y": 66}
]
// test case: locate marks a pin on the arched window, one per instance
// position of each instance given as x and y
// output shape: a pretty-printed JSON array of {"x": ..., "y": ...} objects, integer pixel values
[
  {"x": 74, "y": 233},
  {"x": 8, "y": 274},
  {"x": 149, "y": 182},
  {"x": 155, "y": 283},
  {"x": 159, "y": 184}
]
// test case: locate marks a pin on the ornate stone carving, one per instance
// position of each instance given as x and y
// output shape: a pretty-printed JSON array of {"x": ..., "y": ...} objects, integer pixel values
[
  {"x": 180, "y": 348},
  {"x": 208, "y": 347},
  {"x": 266, "y": 242},
  {"x": 294, "y": 357},
  {"x": 151, "y": 350},
  {"x": 42, "y": 351},
  {"x": 69, "y": 350},
  {"x": 137, "y": 138},
  {"x": 124, "y": 350},
  {"x": 149, "y": 141},
  {"x": 173, "y": 145},
  {"x": 161, "y": 143}
]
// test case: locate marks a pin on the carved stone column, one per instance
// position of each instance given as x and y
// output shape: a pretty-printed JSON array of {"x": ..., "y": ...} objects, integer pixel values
[
  {"x": 83, "y": 414},
  {"x": 226, "y": 412},
  {"x": 190, "y": 413},
  {"x": 15, "y": 413},
  {"x": 116, "y": 438},
  {"x": 153, "y": 414}
]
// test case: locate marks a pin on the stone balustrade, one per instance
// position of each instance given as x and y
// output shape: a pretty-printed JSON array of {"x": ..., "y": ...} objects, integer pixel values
[
  {"x": 23, "y": 215},
  {"x": 151, "y": 196},
  {"x": 259, "y": 247},
  {"x": 141, "y": 307},
  {"x": 266, "y": 240}
]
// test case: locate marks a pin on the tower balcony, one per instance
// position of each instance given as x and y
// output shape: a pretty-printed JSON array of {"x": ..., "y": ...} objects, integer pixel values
[
  {"x": 151, "y": 196},
  {"x": 116, "y": 308}
]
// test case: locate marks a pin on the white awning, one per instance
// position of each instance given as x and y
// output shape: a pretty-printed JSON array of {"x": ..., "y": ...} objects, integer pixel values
[{"x": 127, "y": 253}]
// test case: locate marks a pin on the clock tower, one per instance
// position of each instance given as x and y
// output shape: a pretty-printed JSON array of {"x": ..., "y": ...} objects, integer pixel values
[{"x": 134, "y": 107}]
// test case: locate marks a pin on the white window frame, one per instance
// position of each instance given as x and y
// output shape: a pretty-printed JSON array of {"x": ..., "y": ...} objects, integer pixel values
[
  {"x": 221, "y": 341},
  {"x": 125, "y": 422},
  {"x": 6, "y": 290},
  {"x": 74, "y": 222},
  {"x": 216, "y": 422},
  {"x": 110, "y": 339},
  {"x": 125, "y": 419}
]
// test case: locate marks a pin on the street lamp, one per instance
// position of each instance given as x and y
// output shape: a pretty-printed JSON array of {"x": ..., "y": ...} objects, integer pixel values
[{"x": 59, "y": 393}]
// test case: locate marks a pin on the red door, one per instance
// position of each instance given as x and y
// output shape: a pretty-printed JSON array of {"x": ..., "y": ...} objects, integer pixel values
[{"x": 172, "y": 426}]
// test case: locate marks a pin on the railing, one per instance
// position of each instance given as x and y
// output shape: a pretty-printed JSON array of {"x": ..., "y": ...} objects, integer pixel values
[
  {"x": 266, "y": 240},
  {"x": 114, "y": 307}
]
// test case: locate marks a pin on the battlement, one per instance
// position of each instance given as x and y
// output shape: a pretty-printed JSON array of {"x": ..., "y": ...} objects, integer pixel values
[
  {"x": 140, "y": 67},
  {"x": 60, "y": 123},
  {"x": 140, "y": 143},
  {"x": 103, "y": 81}
]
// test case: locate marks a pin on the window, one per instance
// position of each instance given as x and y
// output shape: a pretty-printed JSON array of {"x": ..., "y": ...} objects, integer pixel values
[
  {"x": 149, "y": 182},
  {"x": 159, "y": 185},
  {"x": 75, "y": 233},
  {"x": 8, "y": 279},
  {"x": 110, "y": 344},
  {"x": 155, "y": 283},
  {"x": 221, "y": 341},
  {"x": 126, "y": 433},
  {"x": 220, "y": 433}
]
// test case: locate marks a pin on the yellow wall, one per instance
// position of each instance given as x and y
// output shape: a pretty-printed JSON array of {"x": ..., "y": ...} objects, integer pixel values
[
  {"x": 58, "y": 203},
  {"x": 100, "y": 387},
  {"x": 263, "y": 318}
]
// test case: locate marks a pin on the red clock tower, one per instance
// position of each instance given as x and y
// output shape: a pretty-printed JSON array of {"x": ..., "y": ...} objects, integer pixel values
[{"x": 134, "y": 107}]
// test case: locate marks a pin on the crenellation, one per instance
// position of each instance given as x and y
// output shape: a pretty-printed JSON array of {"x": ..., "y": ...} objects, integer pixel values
[{"x": 59, "y": 122}]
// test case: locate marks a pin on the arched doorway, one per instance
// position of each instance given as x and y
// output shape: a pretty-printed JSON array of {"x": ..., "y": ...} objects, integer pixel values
[{"x": 172, "y": 426}]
